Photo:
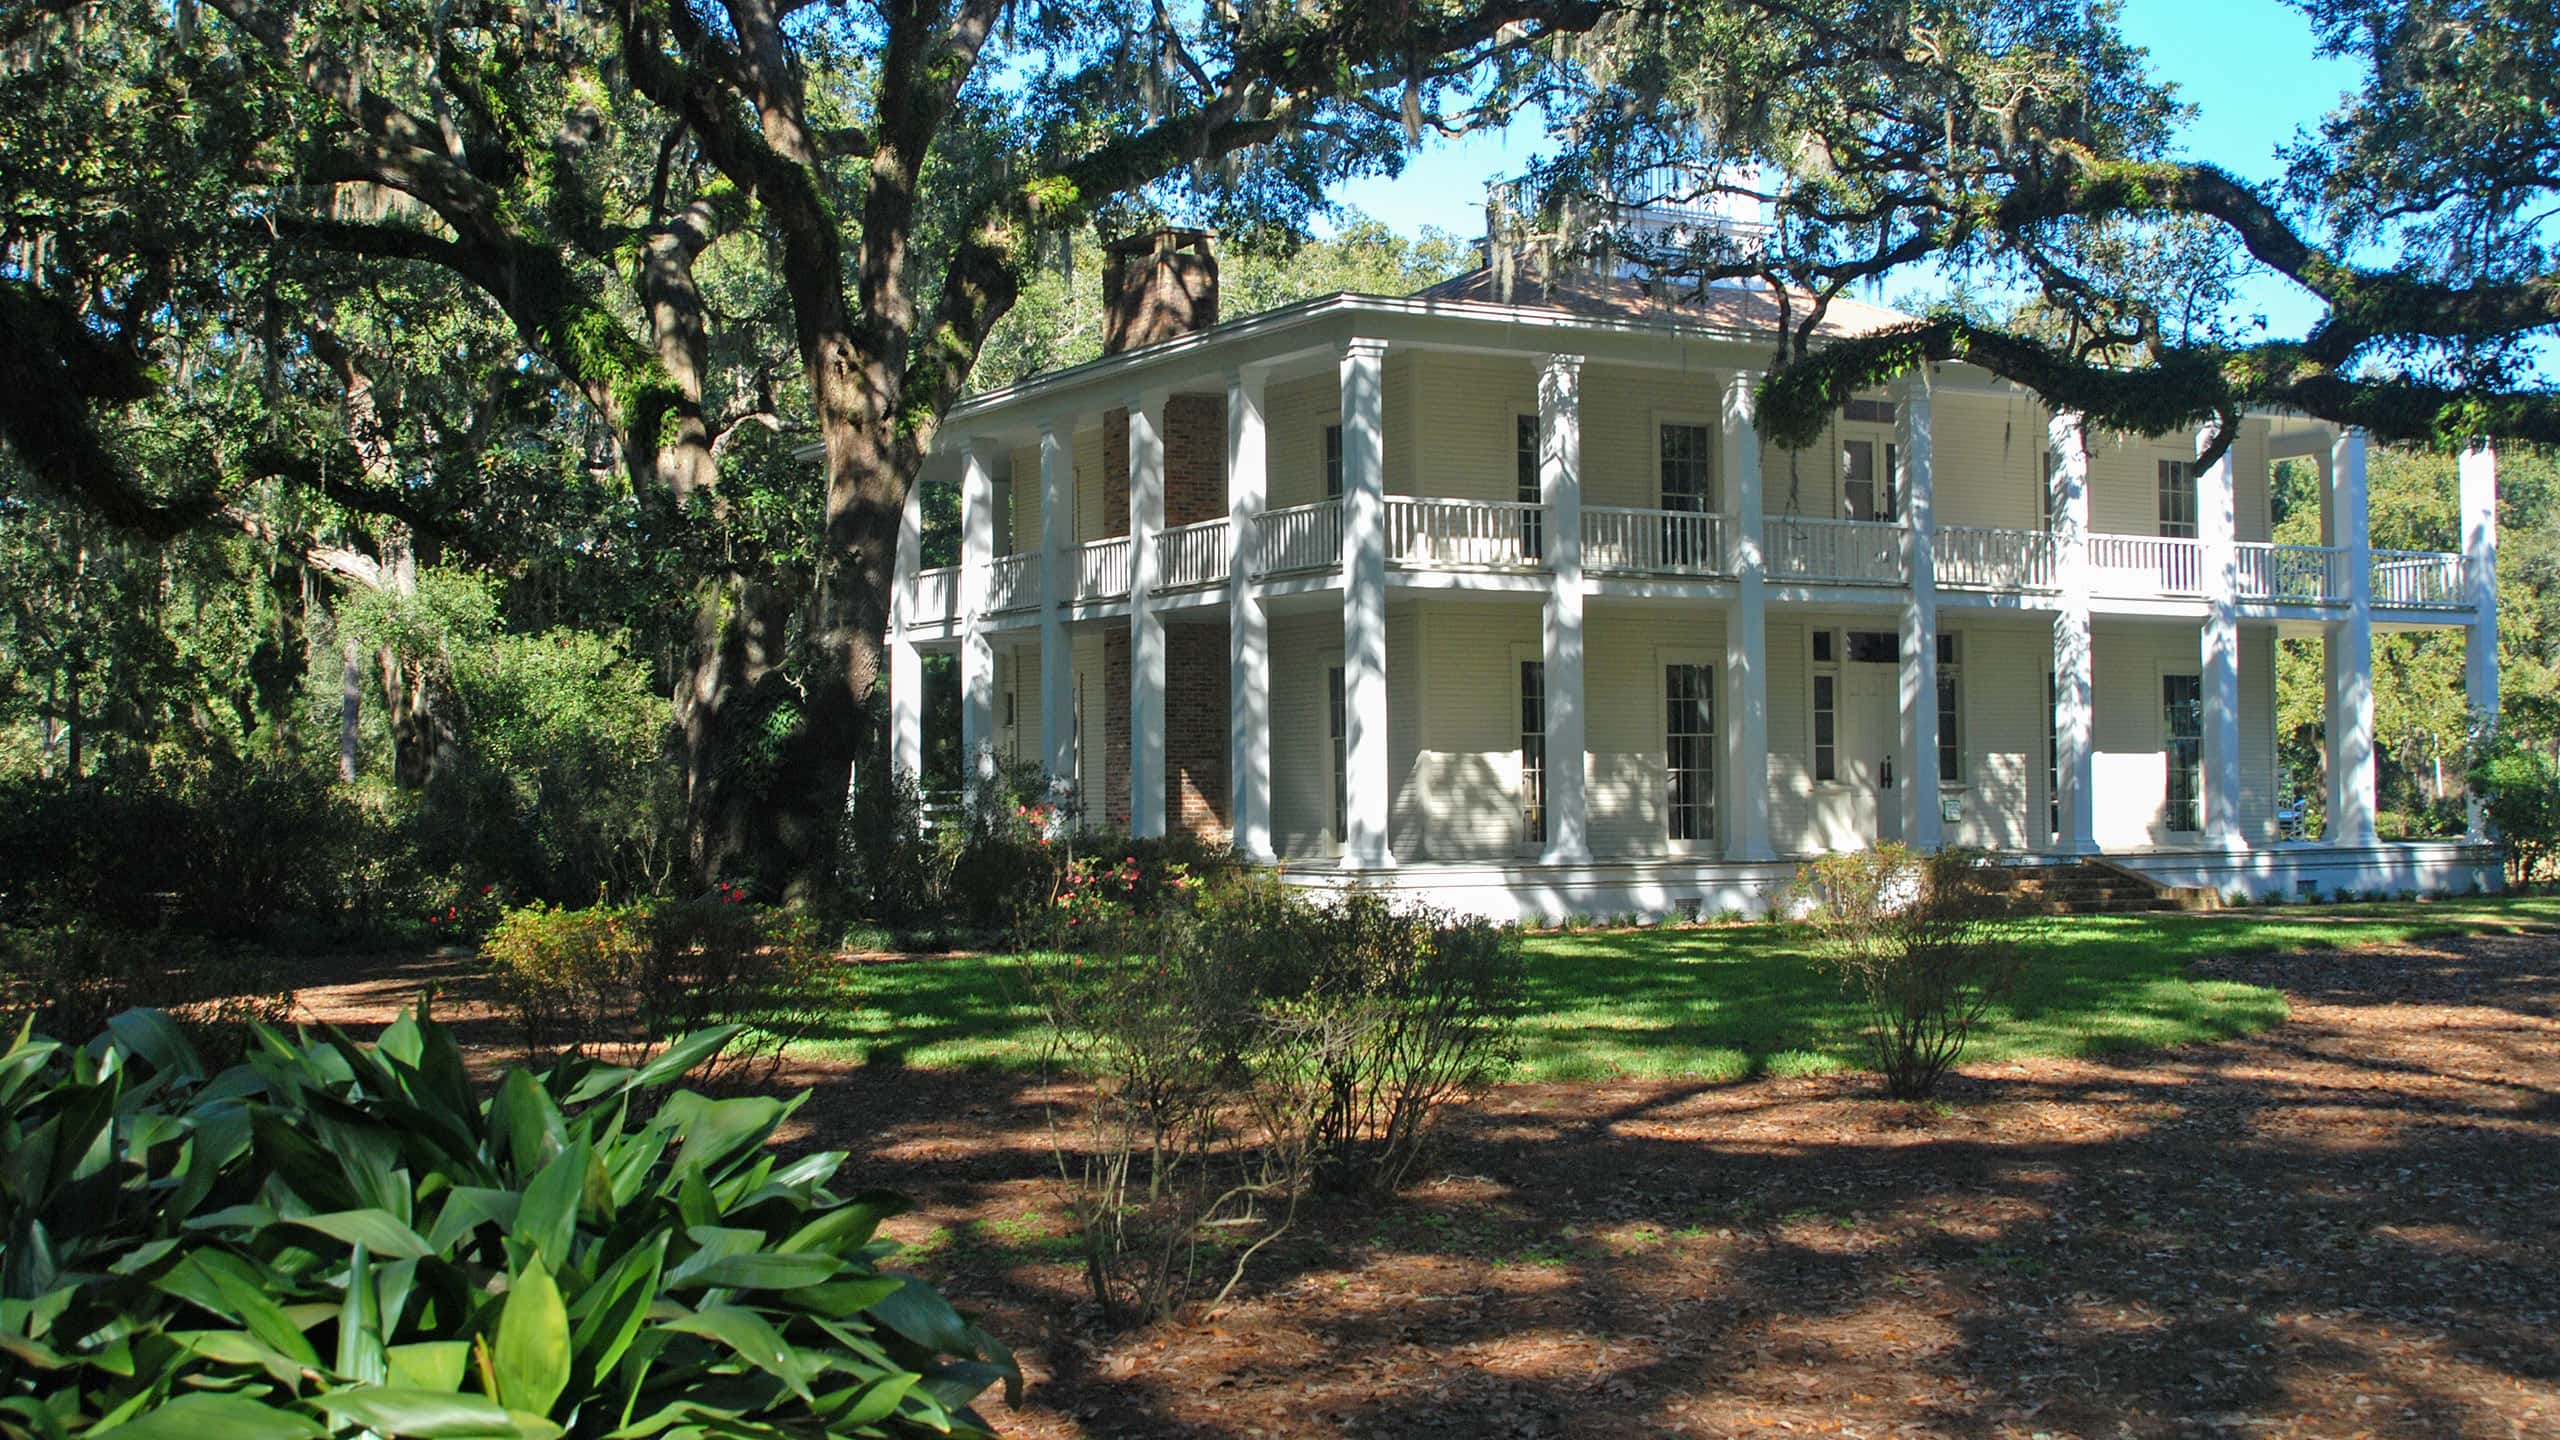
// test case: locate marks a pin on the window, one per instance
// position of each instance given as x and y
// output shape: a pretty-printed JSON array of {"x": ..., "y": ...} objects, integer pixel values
[
  {"x": 2053, "y": 755},
  {"x": 1874, "y": 647},
  {"x": 1824, "y": 643},
  {"x": 1950, "y": 714},
  {"x": 1533, "y": 752},
  {"x": 1688, "y": 736},
  {"x": 2178, "y": 498},
  {"x": 1686, "y": 484},
  {"x": 2182, "y": 725},
  {"x": 1530, "y": 491},
  {"x": 1333, "y": 462},
  {"x": 2052, "y": 494},
  {"x": 1337, "y": 725},
  {"x": 1826, "y": 726},
  {"x": 1867, "y": 411},
  {"x": 1866, "y": 493}
]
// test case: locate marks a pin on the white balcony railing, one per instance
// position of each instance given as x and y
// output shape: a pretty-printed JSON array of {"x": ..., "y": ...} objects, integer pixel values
[
  {"x": 1475, "y": 533},
  {"x": 2145, "y": 566},
  {"x": 1013, "y": 583},
  {"x": 1858, "y": 552},
  {"x": 2292, "y": 574},
  {"x": 1616, "y": 540},
  {"x": 1102, "y": 569},
  {"x": 937, "y": 595},
  {"x": 1190, "y": 555},
  {"x": 1302, "y": 537},
  {"x": 2417, "y": 580},
  {"x": 1974, "y": 557}
]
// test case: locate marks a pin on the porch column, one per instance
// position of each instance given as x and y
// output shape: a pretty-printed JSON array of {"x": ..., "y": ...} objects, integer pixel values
[
  {"x": 2074, "y": 725},
  {"x": 1248, "y": 624},
  {"x": 1746, "y": 635},
  {"x": 2348, "y": 652},
  {"x": 1923, "y": 827},
  {"x": 2219, "y": 656},
  {"x": 2480, "y": 584},
  {"x": 1364, "y": 606},
  {"x": 977, "y": 652},
  {"x": 1146, "y": 627},
  {"x": 1560, "y": 490},
  {"x": 1057, "y": 585},
  {"x": 906, "y": 663}
]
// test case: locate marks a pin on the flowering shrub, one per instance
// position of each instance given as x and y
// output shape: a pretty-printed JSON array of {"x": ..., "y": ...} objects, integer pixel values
[{"x": 466, "y": 911}]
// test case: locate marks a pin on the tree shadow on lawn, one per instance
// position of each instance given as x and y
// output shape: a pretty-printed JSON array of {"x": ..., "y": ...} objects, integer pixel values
[{"x": 2344, "y": 1224}]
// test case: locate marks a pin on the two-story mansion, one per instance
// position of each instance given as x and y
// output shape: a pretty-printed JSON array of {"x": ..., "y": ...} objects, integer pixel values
[{"x": 1503, "y": 600}]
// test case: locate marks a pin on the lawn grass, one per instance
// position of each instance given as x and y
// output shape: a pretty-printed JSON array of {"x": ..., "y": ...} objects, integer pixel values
[{"x": 1726, "y": 1002}]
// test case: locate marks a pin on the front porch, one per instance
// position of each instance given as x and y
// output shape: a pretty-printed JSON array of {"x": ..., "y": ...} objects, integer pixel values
[{"x": 1533, "y": 892}]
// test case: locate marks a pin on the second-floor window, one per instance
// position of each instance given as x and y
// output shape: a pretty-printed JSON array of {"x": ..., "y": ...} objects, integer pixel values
[
  {"x": 2052, "y": 494},
  {"x": 1866, "y": 489},
  {"x": 1687, "y": 487},
  {"x": 1333, "y": 462},
  {"x": 1528, "y": 489},
  {"x": 2178, "y": 498}
]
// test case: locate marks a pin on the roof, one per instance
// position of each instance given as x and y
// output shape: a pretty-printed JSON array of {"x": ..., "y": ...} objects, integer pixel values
[{"x": 1733, "y": 307}]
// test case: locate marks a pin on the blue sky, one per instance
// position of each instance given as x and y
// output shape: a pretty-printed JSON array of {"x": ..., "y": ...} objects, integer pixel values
[{"x": 2245, "y": 64}]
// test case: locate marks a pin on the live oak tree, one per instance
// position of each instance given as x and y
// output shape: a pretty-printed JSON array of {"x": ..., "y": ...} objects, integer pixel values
[
  {"x": 699, "y": 221},
  {"x": 2020, "y": 148}
]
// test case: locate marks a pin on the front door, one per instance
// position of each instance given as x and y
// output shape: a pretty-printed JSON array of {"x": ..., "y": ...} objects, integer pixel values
[{"x": 1870, "y": 733}]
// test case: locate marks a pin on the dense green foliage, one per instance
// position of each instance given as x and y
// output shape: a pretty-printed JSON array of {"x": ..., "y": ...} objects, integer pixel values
[{"x": 333, "y": 1239}]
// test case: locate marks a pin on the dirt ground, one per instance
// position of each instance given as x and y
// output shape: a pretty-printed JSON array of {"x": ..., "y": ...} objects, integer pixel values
[{"x": 2349, "y": 1225}]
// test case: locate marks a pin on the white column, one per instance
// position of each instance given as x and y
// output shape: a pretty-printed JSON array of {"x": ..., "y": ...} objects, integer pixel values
[
  {"x": 906, "y": 663},
  {"x": 977, "y": 651},
  {"x": 1923, "y": 828},
  {"x": 2219, "y": 655},
  {"x": 1248, "y": 624},
  {"x": 1746, "y": 635},
  {"x": 1364, "y": 606},
  {"x": 1057, "y": 585},
  {"x": 2075, "y": 727},
  {"x": 2480, "y": 583},
  {"x": 1146, "y": 627},
  {"x": 2349, "y": 652},
  {"x": 1560, "y": 490}
]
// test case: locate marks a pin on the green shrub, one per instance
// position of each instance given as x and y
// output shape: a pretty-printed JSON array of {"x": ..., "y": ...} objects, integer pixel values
[
  {"x": 338, "y": 1240},
  {"x": 2392, "y": 825},
  {"x": 2521, "y": 792},
  {"x": 1264, "y": 1046},
  {"x": 1929, "y": 942},
  {"x": 617, "y": 981},
  {"x": 69, "y": 979}
]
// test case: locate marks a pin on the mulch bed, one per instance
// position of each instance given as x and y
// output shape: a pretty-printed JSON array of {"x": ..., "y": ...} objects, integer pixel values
[{"x": 2348, "y": 1225}]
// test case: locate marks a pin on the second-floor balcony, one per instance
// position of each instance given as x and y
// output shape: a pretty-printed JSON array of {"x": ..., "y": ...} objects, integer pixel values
[{"x": 1430, "y": 534}]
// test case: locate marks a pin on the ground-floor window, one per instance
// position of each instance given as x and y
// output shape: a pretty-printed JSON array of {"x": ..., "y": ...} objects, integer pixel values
[
  {"x": 1533, "y": 752},
  {"x": 1689, "y": 745},
  {"x": 1950, "y": 713},
  {"x": 1337, "y": 726},
  {"x": 2053, "y": 755},
  {"x": 1826, "y": 725},
  {"x": 2182, "y": 706}
]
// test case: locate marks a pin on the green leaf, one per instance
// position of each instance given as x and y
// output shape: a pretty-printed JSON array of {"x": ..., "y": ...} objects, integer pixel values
[
  {"x": 758, "y": 1271},
  {"x": 678, "y": 1059},
  {"x": 877, "y": 1401},
  {"x": 156, "y": 1038},
  {"x": 531, "y": 1357},
  {"x": 431, "y": 1415},
  {"x": 239, "y": 1294},
  {"x": 467, "y": 1208},
  {"x": 438, "y": 1365},
  {"x": 918, "y": 1312},
  {"x": 718, "y": 1130},
  {"x": 747, "y": 1335},
  {"x": 523, "y": 1119},
  {"x": 848, "y": 1226},
  {"x": 377, "y": 1230},
  {"x": 215, "y": 1417},
  {"x": 548, "y": 1218},
  {"x": 611, "y": 1310},
  {"x": 360, "y": 1323}
]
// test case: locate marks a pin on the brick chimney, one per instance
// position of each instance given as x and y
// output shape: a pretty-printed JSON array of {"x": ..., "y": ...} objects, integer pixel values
[{"x": 1156, "y": 285}]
